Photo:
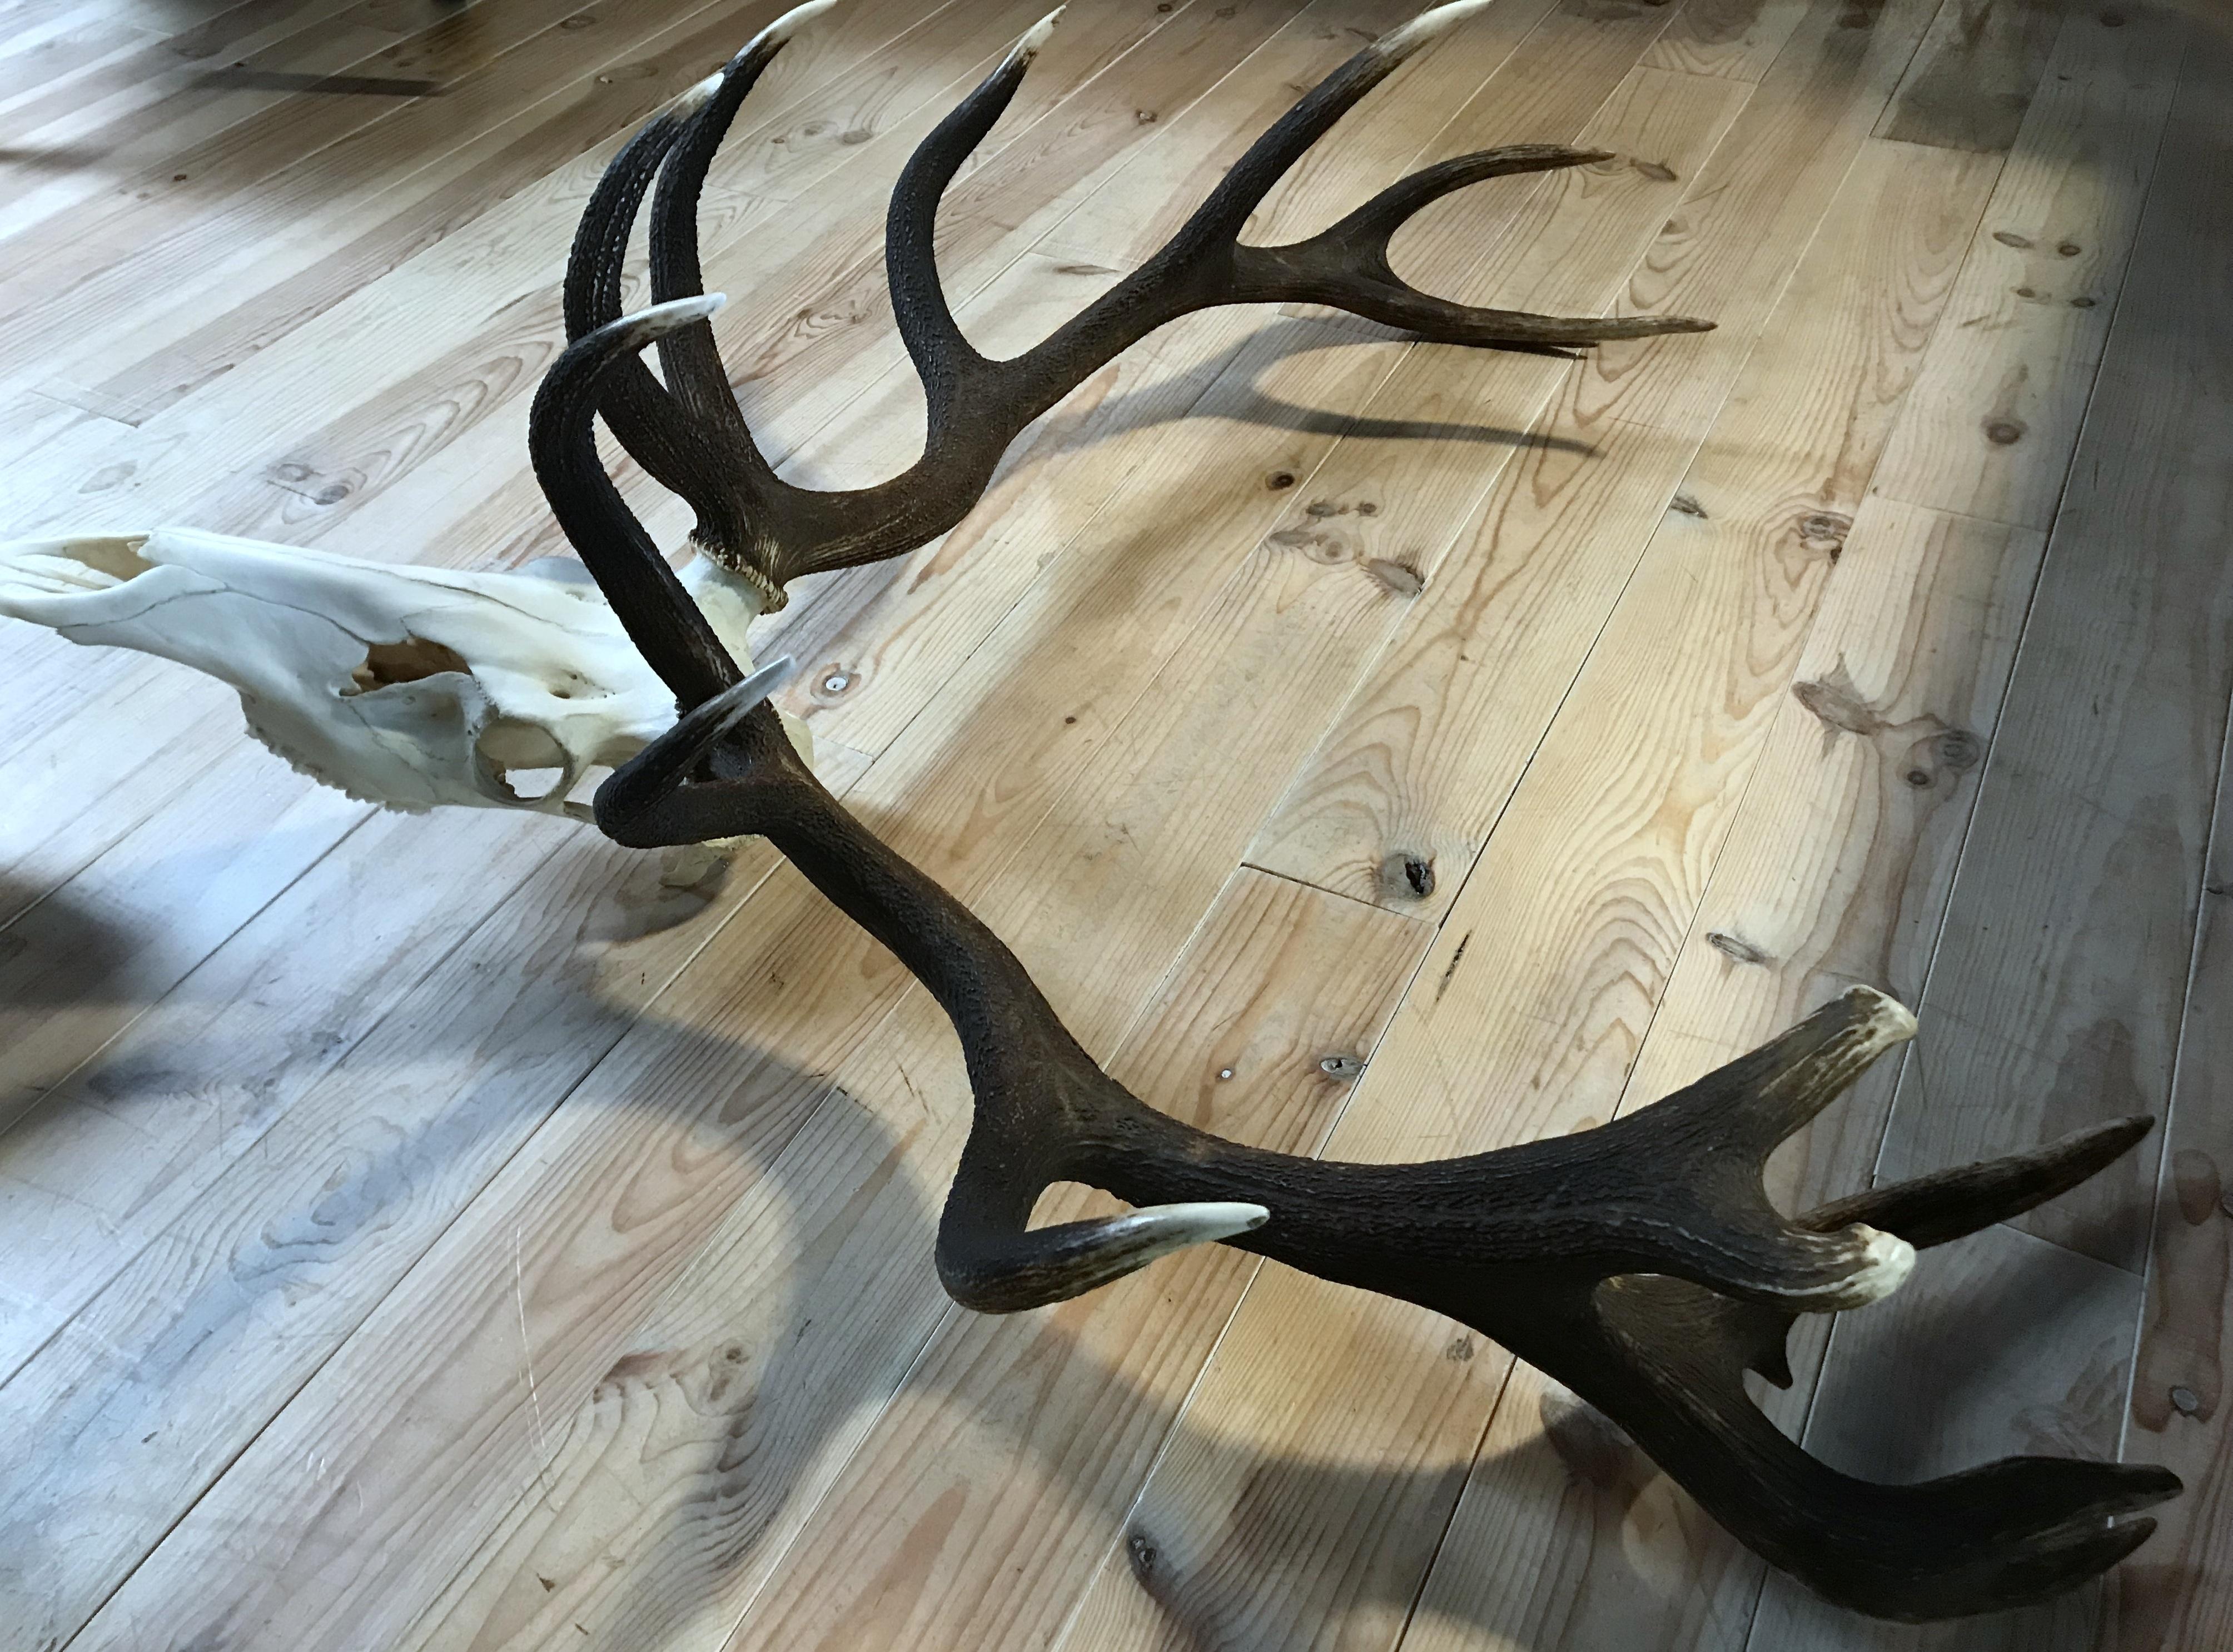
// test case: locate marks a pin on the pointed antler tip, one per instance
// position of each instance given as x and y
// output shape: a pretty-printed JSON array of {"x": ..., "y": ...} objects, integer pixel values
[
  {"x": 1036, "y": 35},
  {"x": 773, "y": 675},
  {"x": 681, "y": 312},
  {"x": 1400, "y": 42},
  {"x": 1890, "y": 1260},
  {"x": 695, "y": 98},
  {"x": 1176, "y": 1227},
  {"x": 784, "y": 28},
  {"x": 1890, "y": 1021}
]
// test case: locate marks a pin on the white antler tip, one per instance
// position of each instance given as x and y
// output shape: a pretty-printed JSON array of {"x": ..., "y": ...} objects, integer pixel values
[
  {"x": 1176, "y": 1227},
  {"x": 771, "y": 677},
  {"x": 1890, "y": 1259},
  {"x": 785, "y": 27},
  {"x": 677, "y": 313},
  {"x": 1400, "y": 44},
  {"x": 697, "y": 97},
  {"x": 1036, "y": 35},
  {"x": 1889, "y": 1022}
]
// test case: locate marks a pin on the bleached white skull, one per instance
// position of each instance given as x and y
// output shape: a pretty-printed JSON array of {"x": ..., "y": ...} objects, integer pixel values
[{"x": 401, "y": 684}]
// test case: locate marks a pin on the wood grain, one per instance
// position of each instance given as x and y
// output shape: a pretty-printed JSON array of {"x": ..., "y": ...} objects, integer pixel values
[
  {"x": 1736, "y": 39},
  {"x": 965, "y": 1512},
  {"x": 1269, "y": 1550},
  {"x": 1974, "y": 74},
  {"x": 1836, "y": 870},
  {"x": 1537, "y": 548},
  {"x": 2179, "y": 1593},
  {"x": 1401, "y": 795},
  {"x": 2054, "y": 999},
  {"x": 1997, "y": 415},
  {"x": 258, "y": 1210}
]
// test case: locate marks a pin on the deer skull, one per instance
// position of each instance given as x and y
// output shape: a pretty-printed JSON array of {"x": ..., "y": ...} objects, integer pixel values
[{"x": 403, "y": 685}]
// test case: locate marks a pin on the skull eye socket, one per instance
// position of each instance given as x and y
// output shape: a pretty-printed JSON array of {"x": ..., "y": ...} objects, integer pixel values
[
  {"x": 525, "y": 761},
  {"x": 386, "y": 664}
]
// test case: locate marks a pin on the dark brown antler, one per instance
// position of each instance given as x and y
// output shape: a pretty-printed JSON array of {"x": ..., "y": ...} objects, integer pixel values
[
  {"x": 1640, "y": 1263},
  {"x": 690, "y": 436}
]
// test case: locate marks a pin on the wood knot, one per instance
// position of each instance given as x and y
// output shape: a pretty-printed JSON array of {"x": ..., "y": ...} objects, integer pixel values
[
  {"x": 1688, "y": 506},
  {"x": 1401, "y": 578},
  {"x": 1735, "y": 946},
  {"x": 1327, "y": 548},
  {"x": 2010, "y": 239},
  {"x": 1958, "y": 749},
  {"x": 2197, "y": 1189},
  {"x": 1140, "y": 1552},
  {"x": 1280, "y": 479},
  {"x": 1658, "y": 172},
  {"x": 1825, "y": 530},
  {"x": 1838, "y": 702},
  {"x": 1408, "y": 876},
  {"x": 1344, "y": 1067},
  {"x": 2005, "y": 432},
  {"x": 833, "y": 682}
]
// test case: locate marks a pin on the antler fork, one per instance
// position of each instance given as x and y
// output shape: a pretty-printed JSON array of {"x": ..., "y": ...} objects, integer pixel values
[{"x": 1641, "y": 1263}]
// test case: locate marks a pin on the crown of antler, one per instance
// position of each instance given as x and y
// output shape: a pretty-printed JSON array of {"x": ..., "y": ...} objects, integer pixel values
[{"x": 1641, "y": 1263}]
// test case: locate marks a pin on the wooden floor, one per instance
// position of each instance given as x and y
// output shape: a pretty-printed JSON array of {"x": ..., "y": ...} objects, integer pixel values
[{"x": 436, "y": 1232}]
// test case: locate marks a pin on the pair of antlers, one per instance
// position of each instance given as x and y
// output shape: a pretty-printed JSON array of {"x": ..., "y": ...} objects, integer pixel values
[{"x": 1642, "y": 1263}]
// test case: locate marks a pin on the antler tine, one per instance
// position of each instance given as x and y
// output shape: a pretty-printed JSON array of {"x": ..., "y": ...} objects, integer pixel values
[
  {"x": 644, "y": 415},
  {"x": 1344, "y": 266},
  {"x": 1221, "y": 217},
  {"x": 1665, "y": 1361},
  {"x": 666, "y": 626},
  {"x": 769, "y": 531},
  {"x": 693, "y": 361},
  {"x": 943, "y": 359},
  {"x": 1950, "y": 1204}
]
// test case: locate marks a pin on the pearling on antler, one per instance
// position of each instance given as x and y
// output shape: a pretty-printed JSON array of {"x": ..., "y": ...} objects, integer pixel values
[{"x": 1640, "y": 1263}]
